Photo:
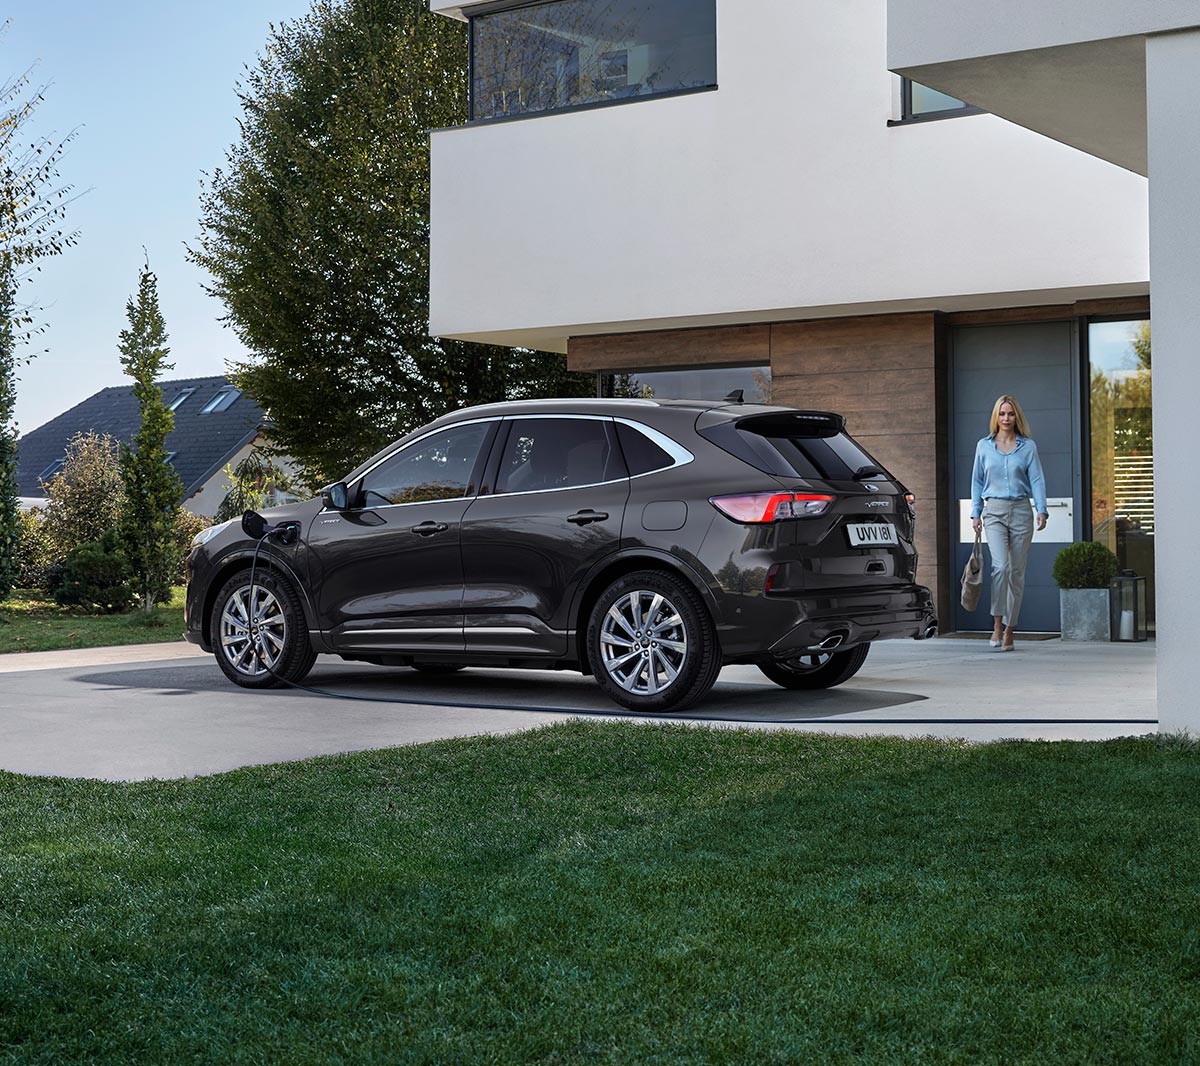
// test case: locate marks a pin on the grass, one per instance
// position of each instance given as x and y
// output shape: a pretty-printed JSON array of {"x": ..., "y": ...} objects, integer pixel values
[
  {"x": 614, "y": 894},
  {"x": 32, "y": 621}
]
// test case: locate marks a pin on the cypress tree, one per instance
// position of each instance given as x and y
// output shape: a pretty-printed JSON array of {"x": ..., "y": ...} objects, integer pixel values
[{"x": 152, "y": 488}]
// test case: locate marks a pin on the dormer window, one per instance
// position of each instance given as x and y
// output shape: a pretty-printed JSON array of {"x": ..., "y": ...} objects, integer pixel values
[
  {"x": 222, "y": 401},
  {"x": 183, "y": 395}
]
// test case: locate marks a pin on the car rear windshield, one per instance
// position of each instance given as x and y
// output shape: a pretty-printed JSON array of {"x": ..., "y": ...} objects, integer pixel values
[{"x": 796, "y": 446}]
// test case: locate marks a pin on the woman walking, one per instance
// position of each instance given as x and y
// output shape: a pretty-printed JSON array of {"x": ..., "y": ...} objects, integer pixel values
[{"x": 1007, "y": 472}]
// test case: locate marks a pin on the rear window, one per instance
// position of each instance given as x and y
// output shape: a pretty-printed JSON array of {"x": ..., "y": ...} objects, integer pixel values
[{"x": 795, "y": 447}]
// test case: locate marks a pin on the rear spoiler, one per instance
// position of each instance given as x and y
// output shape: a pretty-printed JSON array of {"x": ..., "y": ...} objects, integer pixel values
[{"x": 794, "y": 424}]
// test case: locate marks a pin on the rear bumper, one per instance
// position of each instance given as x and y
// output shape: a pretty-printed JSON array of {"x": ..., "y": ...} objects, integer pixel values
[{"x": 857, "y": 617}]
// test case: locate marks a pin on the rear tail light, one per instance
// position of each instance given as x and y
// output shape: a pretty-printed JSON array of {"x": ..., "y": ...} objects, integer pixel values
[
  {"x": 771, "y": 506},
  {"x": 911, "y": 501}
]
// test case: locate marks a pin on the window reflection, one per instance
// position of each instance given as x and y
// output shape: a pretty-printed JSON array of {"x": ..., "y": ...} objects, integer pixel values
[
  {"x": 574, "y": 52},
  {"x": 926, "y": 100},
  {"x": 708, "y": 383},
  {"x": 1122, "y": 445}
]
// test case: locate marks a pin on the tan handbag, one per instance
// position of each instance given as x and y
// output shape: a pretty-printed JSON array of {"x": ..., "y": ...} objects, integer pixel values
[{"x": 972, "y": 577}]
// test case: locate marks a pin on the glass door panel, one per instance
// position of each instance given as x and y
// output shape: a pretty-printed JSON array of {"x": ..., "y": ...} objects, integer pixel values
[{"x": 1122, "y": 446}]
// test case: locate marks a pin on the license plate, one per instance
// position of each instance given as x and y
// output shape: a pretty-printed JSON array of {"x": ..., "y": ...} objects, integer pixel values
[{"x": 869, "y": 534}]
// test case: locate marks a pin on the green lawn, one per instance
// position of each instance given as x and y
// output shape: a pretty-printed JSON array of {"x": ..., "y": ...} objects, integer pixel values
[
  {"x": 616, "y": 894},
  {"x": 32, "y": 621}
]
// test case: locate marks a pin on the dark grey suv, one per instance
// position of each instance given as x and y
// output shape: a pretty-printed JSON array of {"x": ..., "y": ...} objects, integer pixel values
[{"x": 645, "y": 542}]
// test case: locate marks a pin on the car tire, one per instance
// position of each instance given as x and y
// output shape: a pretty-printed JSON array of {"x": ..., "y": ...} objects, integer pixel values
[
  {"x": 289, "y": 654},
  {"x": 644, "y": 674},
  {"x": 438, "y": 668},
  {"x": 823, "y": 670}
]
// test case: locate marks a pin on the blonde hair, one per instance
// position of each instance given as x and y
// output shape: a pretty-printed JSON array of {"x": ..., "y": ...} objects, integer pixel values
[{"x": 1022, "y": 425}]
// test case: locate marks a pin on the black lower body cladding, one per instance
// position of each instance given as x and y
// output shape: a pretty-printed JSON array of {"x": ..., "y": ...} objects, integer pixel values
[{"x": 857, "y": 617}]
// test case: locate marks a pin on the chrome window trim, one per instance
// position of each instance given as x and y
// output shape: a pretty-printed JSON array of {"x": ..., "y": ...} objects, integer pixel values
[{"x": 679, "y": 454}]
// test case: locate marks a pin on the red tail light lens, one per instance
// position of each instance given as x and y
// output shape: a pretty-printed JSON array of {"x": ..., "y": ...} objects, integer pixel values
[
  {"x": 911, "y": 500},
  {"x": 771, "y": 506}
]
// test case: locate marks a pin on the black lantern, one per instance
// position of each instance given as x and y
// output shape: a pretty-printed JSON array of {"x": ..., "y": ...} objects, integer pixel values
[{"x": 1127, "y": 606}]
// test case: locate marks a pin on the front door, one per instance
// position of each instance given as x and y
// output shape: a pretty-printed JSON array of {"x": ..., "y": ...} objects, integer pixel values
[
  {"x": 388, "y": 573},
  {"x": 1038, "y": 363},
  {"x": 560, "y": 492}
]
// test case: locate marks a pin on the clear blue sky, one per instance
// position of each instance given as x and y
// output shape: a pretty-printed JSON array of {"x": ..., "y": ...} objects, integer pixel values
[{"x": 149, "y": 84}]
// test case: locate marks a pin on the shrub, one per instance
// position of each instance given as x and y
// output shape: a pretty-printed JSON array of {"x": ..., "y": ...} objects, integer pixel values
[
  {"x": 97, "y": 575},
  {"x": 1086, "y": 565},
  {"x": 38, "y": 561}
]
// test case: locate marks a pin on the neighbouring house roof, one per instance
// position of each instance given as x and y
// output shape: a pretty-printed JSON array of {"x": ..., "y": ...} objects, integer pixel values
[{"x": 201, "y": 443}]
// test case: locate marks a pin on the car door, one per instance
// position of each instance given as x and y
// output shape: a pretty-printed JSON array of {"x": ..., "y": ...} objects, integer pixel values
[
  {"x": 559, "y": 492},
  {"x": 388, "y": 572}
]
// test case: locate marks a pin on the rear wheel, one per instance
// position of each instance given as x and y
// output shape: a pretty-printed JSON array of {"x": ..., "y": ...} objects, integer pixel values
[
  {"x": 652, "y": 644},
  {"x": 259, "y": 635},
  {"x": 818, "y": 670}
]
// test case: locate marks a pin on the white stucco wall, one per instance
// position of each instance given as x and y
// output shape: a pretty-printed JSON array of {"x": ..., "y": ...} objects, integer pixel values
[
  {"x": 1174, "y": 134},
  {"x": 782, "y": 195}
]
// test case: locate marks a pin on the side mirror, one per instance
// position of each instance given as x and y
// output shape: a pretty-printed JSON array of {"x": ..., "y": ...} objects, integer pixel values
[{"x": 336, "y": 497}]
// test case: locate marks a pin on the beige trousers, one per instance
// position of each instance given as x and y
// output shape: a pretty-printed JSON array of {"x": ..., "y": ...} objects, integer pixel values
[{"x": 1009, "y": 525}]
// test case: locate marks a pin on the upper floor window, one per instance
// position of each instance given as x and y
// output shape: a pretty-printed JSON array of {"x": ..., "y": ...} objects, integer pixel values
[
  {"x": 576, "y": 53},
  {"x": 919, "y": 102},
  {"x": 183, "y": 395}
]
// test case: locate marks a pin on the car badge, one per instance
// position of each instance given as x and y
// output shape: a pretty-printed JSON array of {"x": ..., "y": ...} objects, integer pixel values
[
  {"x": 877, "y": 503},
  {"x": 872, "y": 488}
]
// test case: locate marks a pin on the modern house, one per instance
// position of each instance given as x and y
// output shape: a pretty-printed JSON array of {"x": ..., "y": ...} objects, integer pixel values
[
  {"x": 215, "y": 426},
  {"x": 1116, "y": 80},
  {"x": 688, "y": 196}
]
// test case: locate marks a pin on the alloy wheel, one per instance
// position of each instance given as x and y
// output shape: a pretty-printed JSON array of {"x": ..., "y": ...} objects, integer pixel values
[
  {"x": 253, "y": 634},
  {"x": 643, "y": 642}
]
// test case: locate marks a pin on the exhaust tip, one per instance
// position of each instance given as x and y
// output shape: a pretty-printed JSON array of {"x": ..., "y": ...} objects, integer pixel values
[
  {"x": 832, "y": 641},
  {"x": 930, "y": 632}
]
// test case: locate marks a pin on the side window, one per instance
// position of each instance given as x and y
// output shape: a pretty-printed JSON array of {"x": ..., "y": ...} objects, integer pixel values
[
  {"x": 435, "y": 468},
  {"x": 558, "y": 453},
  {"x": 641, "y": 453}
]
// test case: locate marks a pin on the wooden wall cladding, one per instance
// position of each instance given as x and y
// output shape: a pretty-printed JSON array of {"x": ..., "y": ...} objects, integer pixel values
[
  {"x": 719, "y": 346},
  {"x": 883, "y": 374}
]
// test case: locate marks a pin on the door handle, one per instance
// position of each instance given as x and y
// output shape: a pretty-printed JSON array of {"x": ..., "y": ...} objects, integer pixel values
[
  {"x": 582, "y": 518},
  {"x": 428, "y": 529}
]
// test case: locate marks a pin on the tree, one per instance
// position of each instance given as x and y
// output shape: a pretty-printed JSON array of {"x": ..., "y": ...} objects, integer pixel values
[
  {"x": 316, "y": 235},
  {"x": 84, "y": 500},
  {"x": 152, "y": 488},
  {"x": 32, "y": 209}
]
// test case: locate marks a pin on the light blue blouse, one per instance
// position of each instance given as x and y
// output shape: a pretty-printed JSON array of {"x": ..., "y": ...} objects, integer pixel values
[{"x": 1015, "y": 476}]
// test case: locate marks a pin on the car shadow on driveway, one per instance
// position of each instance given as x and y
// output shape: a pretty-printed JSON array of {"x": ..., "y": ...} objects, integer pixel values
[{"x": 481, "y": 689}]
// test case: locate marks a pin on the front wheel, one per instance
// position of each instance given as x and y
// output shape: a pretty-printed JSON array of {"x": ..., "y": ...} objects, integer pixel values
[
  {"x": 817, "y": 670},
  {"x": 652, "y": 643},
  {"x": 259, "y": 635}
]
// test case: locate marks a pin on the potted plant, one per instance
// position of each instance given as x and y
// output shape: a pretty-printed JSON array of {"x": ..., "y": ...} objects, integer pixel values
[{"x": 1082, "y": 572}]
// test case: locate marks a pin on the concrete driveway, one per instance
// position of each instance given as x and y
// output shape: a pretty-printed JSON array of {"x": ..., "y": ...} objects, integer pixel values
[{"x": 167, "y": 711}]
